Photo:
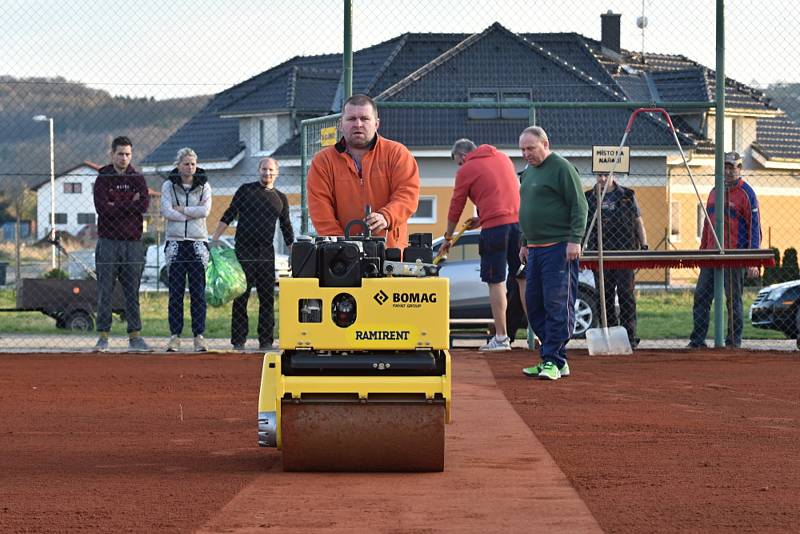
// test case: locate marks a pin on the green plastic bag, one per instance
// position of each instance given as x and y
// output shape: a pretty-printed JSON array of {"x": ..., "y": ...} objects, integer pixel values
[{"x": 225, "y": 278}]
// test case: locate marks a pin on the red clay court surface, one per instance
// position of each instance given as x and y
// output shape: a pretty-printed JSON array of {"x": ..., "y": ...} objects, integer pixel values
[{"x": 664, "y": 441}]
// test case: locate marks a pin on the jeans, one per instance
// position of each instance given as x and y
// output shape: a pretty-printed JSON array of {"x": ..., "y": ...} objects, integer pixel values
[
  {"x": 187, "y": 264},
  {"x": 123, "y": 260},
  {"x": 552, "y": 286},
  {"x": 704, "y": 296},
  {"x": 259, "y": 269}
]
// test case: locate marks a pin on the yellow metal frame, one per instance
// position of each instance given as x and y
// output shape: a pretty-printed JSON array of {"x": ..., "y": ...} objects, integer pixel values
[
  {"x": 399, "y": 313},
  {"x": 275, "y": 386}
]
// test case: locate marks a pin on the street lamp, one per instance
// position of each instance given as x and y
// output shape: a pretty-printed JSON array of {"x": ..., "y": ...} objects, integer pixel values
[{"x": 43, "y": 118}]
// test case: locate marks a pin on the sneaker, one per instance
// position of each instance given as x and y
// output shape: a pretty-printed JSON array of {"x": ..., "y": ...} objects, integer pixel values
[
  {"x": 696, "y": 345},
  {"x": 635, "y": 342},
  {"x": 495, "y": 345},
  {"x": 549, "y": 372},
  {"x": 138, "y": 344},
  {"x": 266, "y": 346},
  {"x": 200, "y": 343},
  {"x": 534, "y": 371},
  {"x": 101, "y": 345},
  {"x": 174, "y": 344},
  {"x": 238, "y": 346}
]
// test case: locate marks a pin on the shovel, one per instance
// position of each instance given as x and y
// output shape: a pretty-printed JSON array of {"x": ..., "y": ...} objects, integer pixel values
[{"x": 605, "y": 340}]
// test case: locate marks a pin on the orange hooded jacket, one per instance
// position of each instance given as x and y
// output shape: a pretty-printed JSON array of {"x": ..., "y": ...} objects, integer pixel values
[{"x": 388, "y": 183}]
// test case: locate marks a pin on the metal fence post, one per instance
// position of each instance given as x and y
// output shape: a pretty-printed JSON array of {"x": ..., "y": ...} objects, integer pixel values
[{"x": 719, "y": 159}]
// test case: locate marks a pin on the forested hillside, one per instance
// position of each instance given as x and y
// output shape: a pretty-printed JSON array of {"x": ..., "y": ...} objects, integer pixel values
[{"x": 85, "y": 121}]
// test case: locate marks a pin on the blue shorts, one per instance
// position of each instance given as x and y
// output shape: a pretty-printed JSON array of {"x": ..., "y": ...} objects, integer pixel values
[{"x": 499, "y": 250}]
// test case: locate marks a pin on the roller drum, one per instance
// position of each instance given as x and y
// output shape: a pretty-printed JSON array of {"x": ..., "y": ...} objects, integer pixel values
[{"x": 355, "y": 436}]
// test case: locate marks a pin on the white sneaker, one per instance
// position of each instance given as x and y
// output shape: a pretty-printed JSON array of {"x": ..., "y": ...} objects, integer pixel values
[
  {"x": 497, "y": 345},
  {"x": 174, "y": 344},
  {"x": 200, "y": 343}
]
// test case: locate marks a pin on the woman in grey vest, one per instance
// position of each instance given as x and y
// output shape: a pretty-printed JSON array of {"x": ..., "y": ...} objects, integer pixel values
[{"x": 185, "y": 204}]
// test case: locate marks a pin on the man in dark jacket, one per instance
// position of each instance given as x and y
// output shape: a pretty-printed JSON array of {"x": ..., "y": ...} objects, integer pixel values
[
  {"x": 623, "y": 229},
  {"x": 120, "y": 199},
  {"x": 258, "y": 206}
]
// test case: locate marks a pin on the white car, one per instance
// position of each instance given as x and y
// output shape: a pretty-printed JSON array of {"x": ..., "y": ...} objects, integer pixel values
[
  {"x": 155, "y": 267},
  {"x": 469, "y": 297}
]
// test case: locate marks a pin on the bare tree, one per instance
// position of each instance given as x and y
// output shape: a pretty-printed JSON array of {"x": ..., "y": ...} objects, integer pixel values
[{"x": 20, "y": 201}]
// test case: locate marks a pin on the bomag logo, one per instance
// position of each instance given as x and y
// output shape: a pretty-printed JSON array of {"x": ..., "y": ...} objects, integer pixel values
[
  {"x": 414, "y": 298},
  {"x": 380, "y": 297}
]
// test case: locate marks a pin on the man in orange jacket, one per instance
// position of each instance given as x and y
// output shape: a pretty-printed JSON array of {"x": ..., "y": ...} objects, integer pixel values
[{"x": 363, "y": 169}]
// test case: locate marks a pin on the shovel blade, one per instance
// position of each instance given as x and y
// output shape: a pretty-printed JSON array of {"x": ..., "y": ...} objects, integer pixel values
[{"x": 604, "y": 341}]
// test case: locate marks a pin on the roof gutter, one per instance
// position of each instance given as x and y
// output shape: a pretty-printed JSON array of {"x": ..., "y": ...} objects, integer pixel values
[
  {"x": 774, "y": 163},
  {"x": 220, "y": 165}
]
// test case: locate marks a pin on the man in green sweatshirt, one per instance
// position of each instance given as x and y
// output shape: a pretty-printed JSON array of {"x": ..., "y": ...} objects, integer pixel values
[{"x": 552, "y": 216}]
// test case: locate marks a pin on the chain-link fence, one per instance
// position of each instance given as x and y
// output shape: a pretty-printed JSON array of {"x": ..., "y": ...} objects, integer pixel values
[{"x": 238, "y": 96}]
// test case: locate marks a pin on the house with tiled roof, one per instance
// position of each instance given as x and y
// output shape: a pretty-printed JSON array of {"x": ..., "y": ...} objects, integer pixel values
[
  {"x": 74, "y": 202},
  {"x": 260, "y": 117}
]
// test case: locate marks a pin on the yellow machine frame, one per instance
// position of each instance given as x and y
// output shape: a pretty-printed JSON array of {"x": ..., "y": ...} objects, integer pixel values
[
  {"x": 393, "y": 314},
  {"x": 275, "y": 387}
]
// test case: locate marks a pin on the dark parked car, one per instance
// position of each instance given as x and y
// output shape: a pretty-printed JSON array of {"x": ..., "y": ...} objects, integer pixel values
[
  {"x": 777, "y": 307},
  {"x": 469, "y": 297}
]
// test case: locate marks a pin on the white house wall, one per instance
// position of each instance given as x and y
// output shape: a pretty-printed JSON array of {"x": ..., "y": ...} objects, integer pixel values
[{"x": 70, "y": 204}]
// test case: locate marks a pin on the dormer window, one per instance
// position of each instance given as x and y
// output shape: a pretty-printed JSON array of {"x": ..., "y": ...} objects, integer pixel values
[{"x": 506, "y": 94}]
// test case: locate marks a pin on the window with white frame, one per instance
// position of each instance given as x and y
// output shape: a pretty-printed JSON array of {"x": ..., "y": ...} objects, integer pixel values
[
  {"x": 482, "y": 96},
  {"x": 515, "y": 96},
  {"x": 674, "y": 221},
  {"x": 701, "y": 219},
  {"x": 426, "y": 211},
  {"x": 61, "y": 218},
  {"x": 73, "y": 188},
  {"x": 86, "y": 218},
  {"x": 730, "y": 134},
  {"x": 267, "y": 134}
]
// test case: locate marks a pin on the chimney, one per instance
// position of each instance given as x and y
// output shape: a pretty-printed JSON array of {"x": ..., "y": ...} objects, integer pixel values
[{"x": 609, "y": 33}]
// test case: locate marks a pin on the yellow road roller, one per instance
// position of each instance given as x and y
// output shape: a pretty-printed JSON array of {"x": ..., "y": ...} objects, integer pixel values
[{"x": 363, "y": 378}]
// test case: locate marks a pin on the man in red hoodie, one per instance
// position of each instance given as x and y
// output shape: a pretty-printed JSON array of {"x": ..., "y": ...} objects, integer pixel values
[
  {"x": 487, "y": 177},
  {"x": 120, "y": 199}
]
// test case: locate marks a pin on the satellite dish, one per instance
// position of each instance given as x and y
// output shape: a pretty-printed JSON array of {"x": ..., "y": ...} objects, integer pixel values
[{"x": 641, "y": 22}]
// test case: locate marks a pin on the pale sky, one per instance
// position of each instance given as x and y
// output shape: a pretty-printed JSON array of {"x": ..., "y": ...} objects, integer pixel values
[{"x": 179, "y": 47}]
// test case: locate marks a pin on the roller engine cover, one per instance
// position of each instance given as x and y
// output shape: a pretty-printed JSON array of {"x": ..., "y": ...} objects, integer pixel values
[
  {"x": 340, "y": 264},
  {"x": 304, "y": 259}
]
